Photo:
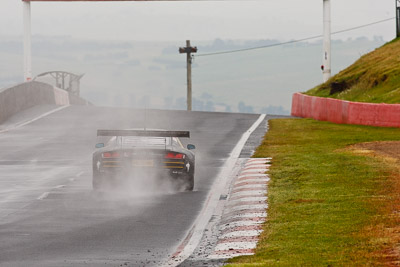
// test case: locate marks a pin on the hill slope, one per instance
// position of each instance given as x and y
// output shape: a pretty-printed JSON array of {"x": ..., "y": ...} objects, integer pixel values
[{"x": 374, "y": 78}]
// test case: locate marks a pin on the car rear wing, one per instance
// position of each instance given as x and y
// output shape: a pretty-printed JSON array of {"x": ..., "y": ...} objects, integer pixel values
[{"x": 151, "y": 133}]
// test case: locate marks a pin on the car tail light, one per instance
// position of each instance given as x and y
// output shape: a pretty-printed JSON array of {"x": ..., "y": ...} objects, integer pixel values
[
  {"x": 173, "y": 156},
  {"x": 111, "y": 155}
]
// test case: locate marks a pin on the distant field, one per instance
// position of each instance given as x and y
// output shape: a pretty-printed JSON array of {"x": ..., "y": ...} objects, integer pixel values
[
  {"x": 374, "y": 78},
  {"x": 330, "y": 203},
  {"x": 153, "y": 74}
]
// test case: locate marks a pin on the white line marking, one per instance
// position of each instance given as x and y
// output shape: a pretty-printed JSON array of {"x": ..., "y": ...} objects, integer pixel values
[
  {"x": 239, "y": 198},
  {"x": 33, "y": 120},
  {"x": 262, "y": 171},
  {"x": 253, "y": 168},
  {"x": 80, "y": 174},
  {"x": 251, "y": 186},
  {"x": 235, "y": 245},
  {"x": 263, "y": 162},
  {"x": 259, "y": 159},
  {"x": 255, "y": 165},
  {"x": 35, "y": 161},
  {"x": 252, "y": 193},
  {"x": 247, "y": 199},
  {"x": 242, "y": 234},
  {"x": 59, "y": 186},
  {"x": 247, "y": 207},
  {"x": 43, "y": 196},
  {"x": 253, "y": 175},
  {"x": 251, "y": 181},
  {"x": 228, "y": 256},
  {"x": 248, "y": 215},
  {"x": 197, "y": 229},
  {"x": 239, "y": 223}
]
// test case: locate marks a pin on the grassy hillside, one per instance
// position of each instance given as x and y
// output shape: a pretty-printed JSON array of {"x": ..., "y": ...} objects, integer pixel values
[{"x": 374, "y": 78}]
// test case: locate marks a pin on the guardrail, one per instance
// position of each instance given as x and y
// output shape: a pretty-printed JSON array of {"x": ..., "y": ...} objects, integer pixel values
[
  {"x": 27, "y": 95},
  {"x": 345, "y": 112},
  {"x": 68, "y": 81}
]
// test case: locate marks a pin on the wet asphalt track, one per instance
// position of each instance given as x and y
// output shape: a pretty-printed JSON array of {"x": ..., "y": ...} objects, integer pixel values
[{"x": 50, "y": 217}]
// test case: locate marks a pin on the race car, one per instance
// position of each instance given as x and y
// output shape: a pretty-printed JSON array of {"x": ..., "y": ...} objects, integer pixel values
[{"x": 126, "y": 152}]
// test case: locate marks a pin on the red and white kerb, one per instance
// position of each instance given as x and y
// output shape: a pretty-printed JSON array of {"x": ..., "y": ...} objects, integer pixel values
[{"x": 245, "y": 212}]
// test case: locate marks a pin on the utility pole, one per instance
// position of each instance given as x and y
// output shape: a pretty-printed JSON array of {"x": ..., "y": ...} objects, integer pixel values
[
  {"x": 26, "y": 6},
  {"x": 188, "y": 50},
  {"x": 326, "y": 65},
  {"x": 397, "y": 18}
]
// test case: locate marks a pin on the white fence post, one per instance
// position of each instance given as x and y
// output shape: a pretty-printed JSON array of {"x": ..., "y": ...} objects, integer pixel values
[{"x": 27, "y": 41}]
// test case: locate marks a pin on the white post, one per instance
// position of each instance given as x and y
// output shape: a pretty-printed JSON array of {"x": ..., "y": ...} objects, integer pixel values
[
  {"x": 327, "y": 41},
  {"x": 27, "y": 41}
]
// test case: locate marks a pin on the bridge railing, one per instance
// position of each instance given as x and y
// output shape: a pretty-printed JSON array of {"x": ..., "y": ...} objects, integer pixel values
[{"x": 67, "y": 81}]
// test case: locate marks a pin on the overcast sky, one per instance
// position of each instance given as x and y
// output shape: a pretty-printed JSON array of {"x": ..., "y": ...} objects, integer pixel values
[{"x": 207, "y": 20}]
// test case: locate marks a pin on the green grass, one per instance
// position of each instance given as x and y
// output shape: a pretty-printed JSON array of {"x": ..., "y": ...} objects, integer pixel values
[
  {"x": 374, "y": 78},
  {"x": 327, "y": 206}
]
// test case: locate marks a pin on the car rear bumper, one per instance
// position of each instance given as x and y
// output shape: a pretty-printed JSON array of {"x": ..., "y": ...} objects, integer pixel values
[{"x": 121, "y": 173}]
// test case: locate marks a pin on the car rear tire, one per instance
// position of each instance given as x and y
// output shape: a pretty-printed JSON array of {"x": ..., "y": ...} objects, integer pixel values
[
  {"x": 96, "y": 184},
  {"x": 97, "y": 181},
  {"x": 189, "y": 182}
]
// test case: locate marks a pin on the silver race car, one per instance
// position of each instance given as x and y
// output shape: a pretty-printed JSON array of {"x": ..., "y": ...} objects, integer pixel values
[{"x": 126, "y": 152}]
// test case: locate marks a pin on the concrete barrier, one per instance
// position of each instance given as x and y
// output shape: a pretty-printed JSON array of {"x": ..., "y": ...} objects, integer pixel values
[
  {"x": 345, "y": 112},
  {"x": 27, "y": 95},
  {"x": 61, "y": 97}
]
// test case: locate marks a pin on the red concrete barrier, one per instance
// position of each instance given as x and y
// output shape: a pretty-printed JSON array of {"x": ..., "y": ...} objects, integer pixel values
[{"x": 345, "y": 112}]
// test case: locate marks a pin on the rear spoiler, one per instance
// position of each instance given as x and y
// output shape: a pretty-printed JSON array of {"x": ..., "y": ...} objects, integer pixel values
[{"x": 143, "y": 133}]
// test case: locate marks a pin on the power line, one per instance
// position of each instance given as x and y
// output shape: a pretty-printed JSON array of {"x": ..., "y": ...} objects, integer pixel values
[
  {"x": 365, "y": 25},
  {"x": 293, "y": 41}
]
